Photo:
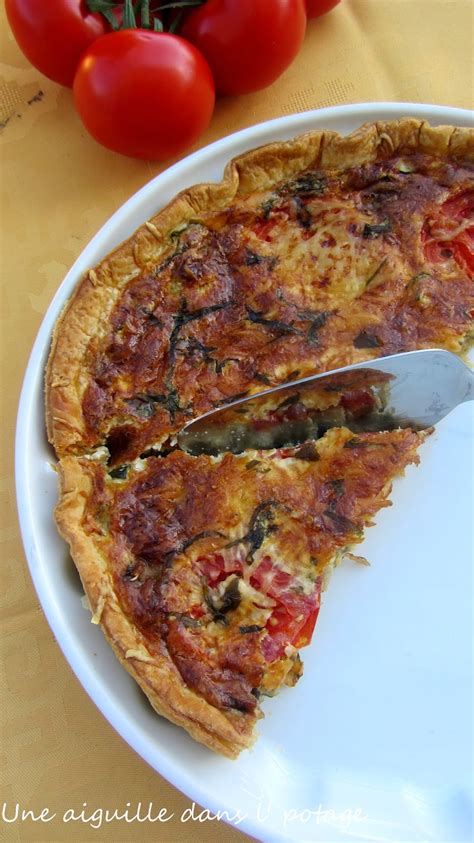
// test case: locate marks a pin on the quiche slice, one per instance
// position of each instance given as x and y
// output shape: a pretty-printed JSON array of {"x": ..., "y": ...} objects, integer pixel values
[{"x": 206, "y": 572}]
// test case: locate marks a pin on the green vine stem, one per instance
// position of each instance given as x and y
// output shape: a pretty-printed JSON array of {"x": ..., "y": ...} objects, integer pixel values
[{"x": 143, "y": 14}]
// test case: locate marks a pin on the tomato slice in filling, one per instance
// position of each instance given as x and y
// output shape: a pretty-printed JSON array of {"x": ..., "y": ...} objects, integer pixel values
[
  {"x": 452, "y": 214},
  {"x": 294, "y": 412},
  {"x": 294, "y": 617},
  {"x": 292, "y": 620},
  {"x": 284, "y": 628},
  {"x": 358, "y": 402},
  {"x": 217, "y": 568},
  {"x": 264, "y": 228}
]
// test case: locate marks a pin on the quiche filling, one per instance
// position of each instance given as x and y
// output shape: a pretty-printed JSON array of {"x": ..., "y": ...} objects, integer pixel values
[
  {"x": 322, "y": 271},
  {"x": 223, "y": 559},
  {"x": 206, "y": 571}
]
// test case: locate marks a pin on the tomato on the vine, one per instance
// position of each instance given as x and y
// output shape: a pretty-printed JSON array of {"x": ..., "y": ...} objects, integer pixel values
[
  {"x": 145, "y": 94},
  {"x": 53, "y": 34},
  {"x": 248, "y": 43},
  {"x": 316, "y": 8}
]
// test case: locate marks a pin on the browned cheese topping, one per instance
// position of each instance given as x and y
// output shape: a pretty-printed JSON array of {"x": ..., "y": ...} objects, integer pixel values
[
  {"x": 223, "y": 559},
  {"x": 323, "y": 271}
]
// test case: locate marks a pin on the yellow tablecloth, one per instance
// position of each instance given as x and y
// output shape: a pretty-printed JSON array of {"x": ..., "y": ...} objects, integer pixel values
[{"x": 58, "y": 752}]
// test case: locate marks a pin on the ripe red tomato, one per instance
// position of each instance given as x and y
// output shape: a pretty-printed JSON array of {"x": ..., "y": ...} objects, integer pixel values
[
  {"x": 145, "y": 94},
  {"x": 316, "y": 8},
  {"x": 53, "y": 34},
  {"x": 248, "y": 43}
]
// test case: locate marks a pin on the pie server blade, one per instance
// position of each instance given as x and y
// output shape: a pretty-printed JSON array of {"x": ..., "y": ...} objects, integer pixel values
[{"x": 414, "y": 389}]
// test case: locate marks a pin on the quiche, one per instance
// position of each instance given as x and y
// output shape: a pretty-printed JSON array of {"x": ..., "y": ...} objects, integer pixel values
[{"x": 206, "y": 571}]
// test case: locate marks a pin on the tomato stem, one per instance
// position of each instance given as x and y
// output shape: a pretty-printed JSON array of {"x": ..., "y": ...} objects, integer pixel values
[
  {"x": 176, "y": 23},
  {"x": 106, "y": 9},
  {"x": 130, "y": 15},
  {"x": 181, "y": 4},
  {"x": 129, "y": 21},
  {"x": 144, "y": 8}
]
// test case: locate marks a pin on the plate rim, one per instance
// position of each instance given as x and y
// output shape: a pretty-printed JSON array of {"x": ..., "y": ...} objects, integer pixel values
[{"x": 257, "y": 134}]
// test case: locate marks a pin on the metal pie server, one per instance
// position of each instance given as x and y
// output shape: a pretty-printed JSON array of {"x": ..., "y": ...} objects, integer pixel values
[{"x": 414, "y": 389}]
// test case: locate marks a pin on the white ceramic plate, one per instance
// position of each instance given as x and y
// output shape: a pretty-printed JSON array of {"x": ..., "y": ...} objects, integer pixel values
[{"x": 374, "y": 742}]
